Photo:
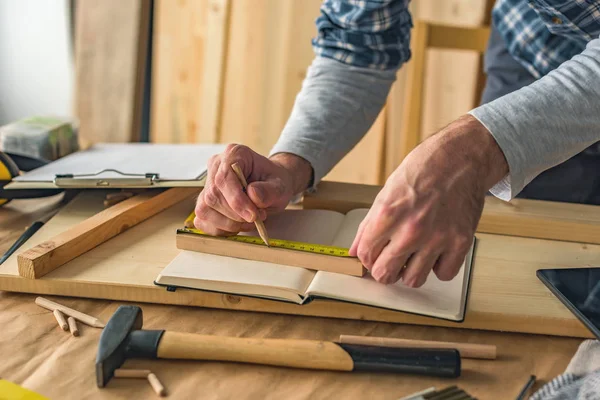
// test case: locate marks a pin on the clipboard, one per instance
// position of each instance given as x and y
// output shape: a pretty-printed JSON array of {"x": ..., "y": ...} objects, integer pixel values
[{"x": 122, "y": 166}]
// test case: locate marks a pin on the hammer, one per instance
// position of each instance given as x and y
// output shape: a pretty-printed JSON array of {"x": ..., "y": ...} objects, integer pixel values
[{"x": 123, "y": 338}]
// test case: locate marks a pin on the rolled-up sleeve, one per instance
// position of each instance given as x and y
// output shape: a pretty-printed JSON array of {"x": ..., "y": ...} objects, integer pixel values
[
  {"x": 547, "y": 122},
  {"x": 359, "y": 47}
]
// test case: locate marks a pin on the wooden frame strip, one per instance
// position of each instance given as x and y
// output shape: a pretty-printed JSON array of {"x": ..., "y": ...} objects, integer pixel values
[
  {"x": 521, "y": 217},
  {"x": 249, "y": 251},
  {"x": 47, "y": 256}
]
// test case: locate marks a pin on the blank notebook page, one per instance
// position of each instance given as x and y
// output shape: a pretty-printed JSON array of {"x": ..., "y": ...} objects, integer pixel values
[
  {"x": 436, "y": 298},
  {"x": 307, "y": 226}
]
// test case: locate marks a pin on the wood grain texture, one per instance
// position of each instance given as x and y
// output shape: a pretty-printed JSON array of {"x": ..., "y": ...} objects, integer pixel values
[
  {"x": 249, "y": 251},
  {"x": 521, "y": 217},
  {"x": 110, "y": 63},
  {"x": 310, "y": 354},
  {"x": 467, "y": 350},
  {"x": 451, "y": 75},
  {"x": 415, "y": 80},
  {"x": 46, "y": 257},
  {"x": 365, "y": 162},
  {"x": 268, "y": 52},
  {"x": 124, "y": 268},
  {"x": 190, "y": 41}
]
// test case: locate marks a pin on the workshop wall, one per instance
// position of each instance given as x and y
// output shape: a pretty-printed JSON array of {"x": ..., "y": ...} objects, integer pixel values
[{"x": 229, "y": 71}]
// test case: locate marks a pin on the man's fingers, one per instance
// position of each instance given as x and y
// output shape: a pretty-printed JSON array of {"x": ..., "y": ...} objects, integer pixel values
[
  {"x": 418, "y": 268},
  {"x": 265, "y": 193},
  {"x": 354, "y": 248},
  {"x": 221, "y": 222},
  {"x": 389, "y": 265},
  {"x": 449, "y": 264},
  {"x": 212, "y": 198},
  {"x": 229, "y": 185}
]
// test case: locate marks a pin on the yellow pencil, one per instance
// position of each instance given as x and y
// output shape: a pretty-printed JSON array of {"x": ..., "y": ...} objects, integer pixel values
[{"x": 260, "y": 227}]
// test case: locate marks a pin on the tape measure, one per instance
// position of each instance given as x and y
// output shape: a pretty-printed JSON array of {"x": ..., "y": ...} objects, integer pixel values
[{"x": 277, "y": 243}]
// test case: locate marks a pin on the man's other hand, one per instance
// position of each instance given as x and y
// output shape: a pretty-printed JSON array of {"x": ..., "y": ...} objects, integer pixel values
[
  {"x": 224, "y": 208},
  {"x": 425, "y": 216}
]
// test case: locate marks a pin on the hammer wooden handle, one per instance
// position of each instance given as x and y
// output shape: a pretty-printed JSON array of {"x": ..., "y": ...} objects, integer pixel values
[
  {"x": 466, "y": 350},
  {"x": 311, "y": 354}
]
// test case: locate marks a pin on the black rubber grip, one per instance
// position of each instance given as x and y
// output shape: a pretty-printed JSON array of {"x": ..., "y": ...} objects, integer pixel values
[{"x": 432, "y": 362}]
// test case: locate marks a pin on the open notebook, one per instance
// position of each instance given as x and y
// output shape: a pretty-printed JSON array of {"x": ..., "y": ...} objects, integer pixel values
[{"x": 196, "y": 270}]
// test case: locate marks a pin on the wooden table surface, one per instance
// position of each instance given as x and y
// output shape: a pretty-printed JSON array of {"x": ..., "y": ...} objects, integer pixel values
[{"x": 36, "y": 354}]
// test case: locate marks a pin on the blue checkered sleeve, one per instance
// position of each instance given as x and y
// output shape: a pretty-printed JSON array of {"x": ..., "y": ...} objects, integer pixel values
[
  {"x": 372, "y": 34},
  {"x": 542, "y": 35}
]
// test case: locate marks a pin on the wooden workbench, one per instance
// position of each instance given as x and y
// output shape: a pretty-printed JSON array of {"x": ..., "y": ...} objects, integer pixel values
[{"x": 38, "y": 355}]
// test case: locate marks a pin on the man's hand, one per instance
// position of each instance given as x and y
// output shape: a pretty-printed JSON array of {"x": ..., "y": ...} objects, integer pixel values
[
  {"x": 425, "y": 216},
  {"x": 223, "y": 208}
]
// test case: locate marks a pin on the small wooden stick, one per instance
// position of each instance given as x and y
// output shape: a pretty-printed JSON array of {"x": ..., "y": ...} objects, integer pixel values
[
  {"x": 79, "y": 316},
  {"x": 73, "y": 326},
  {"x": 466, "y": 350},
  {"x": 60, "y": 318},
  {"x": 132, "y": 373},
  {"x": 64, "y": 247},
  {"x": 260, "y": 226},
  {"x": 156, "y": 385}
]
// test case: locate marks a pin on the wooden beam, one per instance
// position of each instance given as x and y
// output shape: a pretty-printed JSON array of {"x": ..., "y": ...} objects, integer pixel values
[
  {"x": 189, "y": 49},
  {"x": 415, "y": 82},
  {"x": 110, "y": 63},
  {"x": 249, "y": 251},
  {"x": 456, "y": 38},
  {"x": 51, "y": 254},
  {"x": 521, "y": 217}
]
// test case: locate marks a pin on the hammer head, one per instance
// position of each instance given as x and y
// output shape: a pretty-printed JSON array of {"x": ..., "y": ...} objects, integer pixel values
[{"x": 112, "y": 349}]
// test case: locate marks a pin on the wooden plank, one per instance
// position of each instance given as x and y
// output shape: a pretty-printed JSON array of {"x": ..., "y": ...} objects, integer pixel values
[
  {"x": 451, "y": 76},
  {"x": 125, "y": 267},
  {"x": 248, "y": 251},
  {"x": 415, "y": 81},
  {"x": 393, "y": 124},
  {"x": 269, "y": 50},
  {"x": 47, "y": 256},
  {"x": 521, "y": 217},
  {"x": 364, "y": 164},
  {"x": 453, "y": 37},
  {"x": 190, "y": 41},
  {"x": 110, "y": 63}
]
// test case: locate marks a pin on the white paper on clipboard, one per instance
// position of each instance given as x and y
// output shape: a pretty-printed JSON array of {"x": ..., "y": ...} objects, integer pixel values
[{"x": 124, "y": 165}]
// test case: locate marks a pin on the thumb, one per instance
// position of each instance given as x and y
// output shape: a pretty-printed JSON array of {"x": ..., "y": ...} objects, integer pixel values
[{"x": 266, "y": 194}]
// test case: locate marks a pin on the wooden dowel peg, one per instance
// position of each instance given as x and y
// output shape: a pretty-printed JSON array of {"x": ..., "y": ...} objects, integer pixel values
[
  {"x": 132, "y": 373},
  {"x": 466, "y": 350},
  {"x": 73, "y": 326},
  {"x": 60, "y": 318},
  {"x": 79, "y": 316},
  {"x": 156, "y": 385}
]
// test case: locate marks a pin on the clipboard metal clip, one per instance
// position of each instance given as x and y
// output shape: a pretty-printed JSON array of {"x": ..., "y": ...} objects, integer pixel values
[{"x": 92, "y": 180}]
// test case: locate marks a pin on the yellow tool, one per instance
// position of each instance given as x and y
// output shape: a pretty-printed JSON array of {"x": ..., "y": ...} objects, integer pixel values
[
  {"x": 11, "y": 391},
  {"x": 278, "y": 243},
  {"x": 11, "y": 166}
]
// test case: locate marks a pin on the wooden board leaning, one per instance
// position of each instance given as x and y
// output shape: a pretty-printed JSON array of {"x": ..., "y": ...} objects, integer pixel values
[{"x": 124, "y": 268}]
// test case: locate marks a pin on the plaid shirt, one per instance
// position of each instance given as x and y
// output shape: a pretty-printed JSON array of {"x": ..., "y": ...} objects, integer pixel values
[{"x": 540, "y": 34}]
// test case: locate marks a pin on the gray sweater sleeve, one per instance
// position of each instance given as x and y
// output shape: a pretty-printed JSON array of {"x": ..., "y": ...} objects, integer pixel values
[
  {"x": 547, "y": 122},
  {"x": 336, "y": 106}
]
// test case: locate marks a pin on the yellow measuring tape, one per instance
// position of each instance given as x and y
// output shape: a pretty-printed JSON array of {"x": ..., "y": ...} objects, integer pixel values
[{"x": 278, "y": 243}]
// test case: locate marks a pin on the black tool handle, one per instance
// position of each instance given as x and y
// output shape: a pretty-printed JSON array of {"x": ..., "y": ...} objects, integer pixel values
[{"x": 432, "y": 362}]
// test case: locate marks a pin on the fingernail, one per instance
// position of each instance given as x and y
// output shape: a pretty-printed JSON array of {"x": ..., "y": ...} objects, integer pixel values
[
  {"x": 259, "y": 193},
  {"x": 248, "y": 216}
]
